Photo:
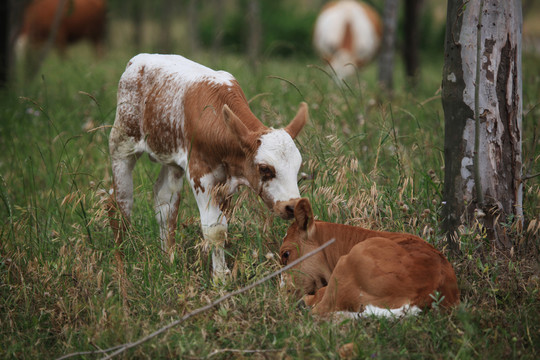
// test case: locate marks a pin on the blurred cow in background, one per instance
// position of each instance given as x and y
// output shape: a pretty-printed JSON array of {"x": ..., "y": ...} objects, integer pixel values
[
  {"x": 80, "y": 20},
  {"x": 347, "y": 34}
]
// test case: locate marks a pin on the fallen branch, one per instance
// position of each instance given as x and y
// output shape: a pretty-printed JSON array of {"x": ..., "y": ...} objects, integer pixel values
[
  {"x": 527, "y": 177},
  {"x": 121, "y": 348},
  {"x": 240, "y": 351}
]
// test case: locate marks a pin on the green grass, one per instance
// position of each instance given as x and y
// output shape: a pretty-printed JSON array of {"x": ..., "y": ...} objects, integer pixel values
[{"x": 370, "y": 161}]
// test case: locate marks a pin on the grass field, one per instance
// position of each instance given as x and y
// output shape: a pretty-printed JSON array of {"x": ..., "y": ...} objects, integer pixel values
[{"x": 369, "y": 160}]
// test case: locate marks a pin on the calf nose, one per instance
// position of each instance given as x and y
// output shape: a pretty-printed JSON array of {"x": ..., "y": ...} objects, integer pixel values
[
  {"x": 289, "y": 209},
  {"x": 285, "y": 209}
]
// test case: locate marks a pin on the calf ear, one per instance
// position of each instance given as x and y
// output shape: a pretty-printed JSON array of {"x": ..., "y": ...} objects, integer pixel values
[
  {"x": 299, "y": 121},
  {"x": 237, "y": 127},
  {"x": 303, "y": 214}
]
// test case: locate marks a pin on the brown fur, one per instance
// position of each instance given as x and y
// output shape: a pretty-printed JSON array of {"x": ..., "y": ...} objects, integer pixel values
[
  {"x": 347, "y": 41},
  {"x": 364, "y": 267},
  {"x": 211, "y": 141},
  {"x": 81, "y": 19}
]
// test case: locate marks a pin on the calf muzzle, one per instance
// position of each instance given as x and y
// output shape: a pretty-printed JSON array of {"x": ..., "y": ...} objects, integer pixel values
[{"x": 285, "y": 209}]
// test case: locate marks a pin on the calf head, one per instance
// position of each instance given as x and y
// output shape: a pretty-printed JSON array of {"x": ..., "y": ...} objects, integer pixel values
[
  {"x": 313, "y": 273},
  {"x": 272, "y": 160}
]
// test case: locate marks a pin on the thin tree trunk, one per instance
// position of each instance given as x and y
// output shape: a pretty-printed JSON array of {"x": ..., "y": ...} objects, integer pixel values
[
  {"x": 138, "y": 21},
  {"x": 255, "y": 31},
  {"x": 15, "y": 13},
  {"x": 165, "y": 45},
  {"x": 193, "y": 26},
  {"x": 388, "y": 46},
  {"x": 219, "y": 17},
  {"x": 411, "y": 48},
  {"x": 497, "y": 96},
  {"x": 33, "y": 65},
  {"x": 4, "y": 38}
]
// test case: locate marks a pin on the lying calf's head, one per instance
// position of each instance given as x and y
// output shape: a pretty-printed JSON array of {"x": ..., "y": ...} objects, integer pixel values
[{"x": 312, "y": 273}]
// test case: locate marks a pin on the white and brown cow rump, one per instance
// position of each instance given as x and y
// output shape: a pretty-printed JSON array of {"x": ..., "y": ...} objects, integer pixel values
[
  {"x": 364, "y": 272},
  {"x": 347, "y": 35},
  {"x": 196, "y": 122}
]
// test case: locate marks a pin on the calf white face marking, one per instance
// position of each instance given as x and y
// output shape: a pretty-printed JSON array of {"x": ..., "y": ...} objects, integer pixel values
[{"x": 278, "y": 152}]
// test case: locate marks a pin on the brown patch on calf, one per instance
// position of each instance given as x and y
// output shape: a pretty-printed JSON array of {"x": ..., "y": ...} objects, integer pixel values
[
  {"x": 347, "y": 41},
  {"x": 161, "y": 128},
  {"x": 208, "y": 139}
]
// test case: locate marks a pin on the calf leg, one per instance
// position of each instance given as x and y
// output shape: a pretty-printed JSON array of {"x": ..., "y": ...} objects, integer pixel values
[
  {"x": 341, "y": 294},
  {"x": 122, "y": 200},
  {"x": 312, "y": 300},
  {"x": 214, "y": 228},
  {"x": 167, "y": 199},
  {"x": 122, "y": 168}
]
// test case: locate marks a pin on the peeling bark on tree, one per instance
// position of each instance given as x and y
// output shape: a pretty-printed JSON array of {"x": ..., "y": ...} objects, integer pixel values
[{"x": 500, "y": 114}]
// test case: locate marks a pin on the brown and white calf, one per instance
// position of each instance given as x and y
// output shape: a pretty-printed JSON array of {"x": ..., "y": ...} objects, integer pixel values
[
  {"x": 347, "y": 34},
  {"x": 196, "y": 121},
  {"x": 364, "y": 272}
]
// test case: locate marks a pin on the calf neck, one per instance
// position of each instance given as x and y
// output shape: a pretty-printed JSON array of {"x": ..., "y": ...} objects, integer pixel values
[{"x": 196, "y": 122}]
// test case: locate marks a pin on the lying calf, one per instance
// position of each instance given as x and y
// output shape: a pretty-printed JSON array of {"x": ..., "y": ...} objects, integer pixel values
[{"x": 364, "y": 271}]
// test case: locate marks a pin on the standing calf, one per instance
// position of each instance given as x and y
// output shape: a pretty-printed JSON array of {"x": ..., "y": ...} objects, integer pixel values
[
  {"x": 196, "y": 121},
  {"x": 347, "y": 34},
  {"x": 364, "y": 271}
]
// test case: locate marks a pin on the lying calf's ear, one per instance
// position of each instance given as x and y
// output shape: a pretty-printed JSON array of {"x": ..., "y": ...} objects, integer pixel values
[{"x": 303, "y": 214}]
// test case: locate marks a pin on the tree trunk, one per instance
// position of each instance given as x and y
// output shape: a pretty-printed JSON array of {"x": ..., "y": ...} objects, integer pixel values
[
  {"x": 255, "y": 31},
  {"x": 219, "y": 28},
  {"x": 12, "y": 23},
  {"x": 482, "y": 167},
  {"x": 4, "y": 38},
  {"x": 388, "y": 46},
  {"x": 167, "y": 10},
  {"x": 138, "y": 22},
  {"x": 193, "y": 26},
  {"x": 411, "y": 48}
]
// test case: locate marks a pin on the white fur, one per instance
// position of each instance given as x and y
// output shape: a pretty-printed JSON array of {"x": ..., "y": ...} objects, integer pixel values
[
  {"x": 174, "y": 69},
  {"x": 176, "y": 66},
  {"x": 278, "y": 150},
  {"x": 371, "y": 310}
]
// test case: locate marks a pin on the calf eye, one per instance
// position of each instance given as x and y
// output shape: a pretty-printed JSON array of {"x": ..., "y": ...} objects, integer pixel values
[
  {"x": 267, "y": 172},
  {"x": 285, "y": 257}
]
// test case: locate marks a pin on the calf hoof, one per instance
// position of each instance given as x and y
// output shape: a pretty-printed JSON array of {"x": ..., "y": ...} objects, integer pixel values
[{"x": 221, "y": 276}]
